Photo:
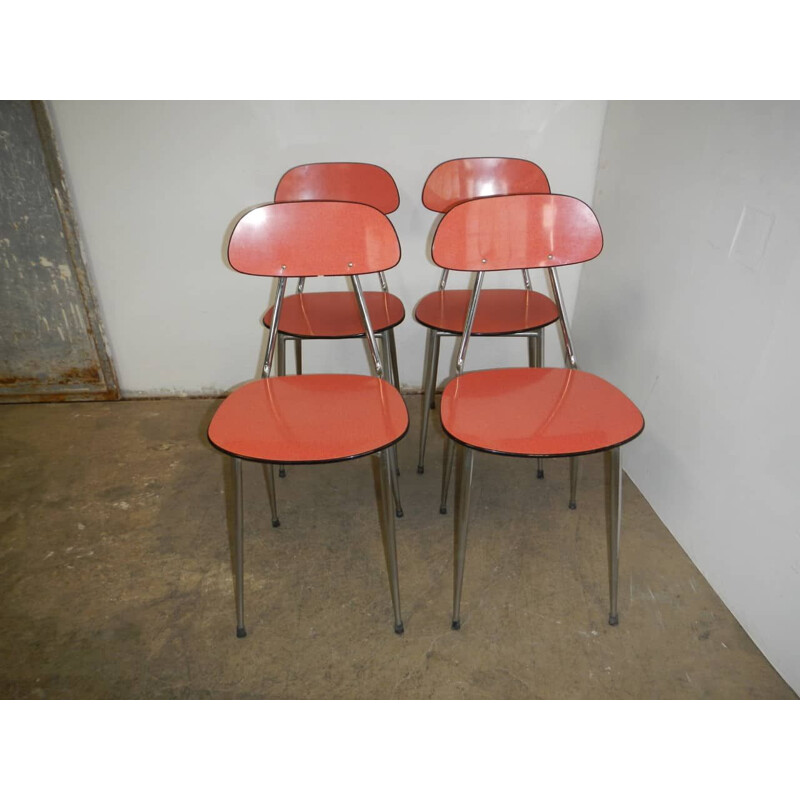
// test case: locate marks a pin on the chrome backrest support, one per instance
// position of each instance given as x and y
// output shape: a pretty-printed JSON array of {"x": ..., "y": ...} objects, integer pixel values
[
  {"x": 469, "y": 322},
  {"x": 273, "y": 328},
  {"x": 562, "y": 316},
  {"x": 371, "y": 340}
]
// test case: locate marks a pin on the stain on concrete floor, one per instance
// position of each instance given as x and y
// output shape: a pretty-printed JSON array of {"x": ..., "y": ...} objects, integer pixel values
[{"x": 116, "y": 576}]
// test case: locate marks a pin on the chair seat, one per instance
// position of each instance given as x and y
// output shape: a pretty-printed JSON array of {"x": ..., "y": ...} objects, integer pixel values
[
  {"x": 302, "y": 419},
  {"x": 538, "y": 412},
  {"x": 500, "y": 311},
  {"x": 335, "y": 315}
]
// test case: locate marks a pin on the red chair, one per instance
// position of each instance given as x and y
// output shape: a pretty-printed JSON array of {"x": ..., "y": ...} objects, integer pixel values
[
  {"x": 530, "y": 412},
  {"x": 521, "y": 313},
  {"x": 335, "y": 315},
  {"x": 312, "y": 419}
]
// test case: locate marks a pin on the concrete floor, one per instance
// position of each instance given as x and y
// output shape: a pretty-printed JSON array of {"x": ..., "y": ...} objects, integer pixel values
[{"x": 116, "y": 577}]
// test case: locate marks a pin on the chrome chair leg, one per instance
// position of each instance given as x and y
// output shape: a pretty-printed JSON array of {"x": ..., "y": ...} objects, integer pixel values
[
  {"x": 395, "y": 379},
  {"x": 540, "y": 348},
  {"x": 463, "y": 491},
  {"x": 266, "y": 359},
  {"x": 446, "y": 473},
  {"x": 435, "y": 366},
  {"x": 531, "y": 351},
  {"x": 535, "y": 360},
  {"x": 393, "y": 358},
  {"x": 389, "y": 359},
  {"x": 281, "y": 354},
  {"x": 389, "y": 541},
  {"x": 281, "y": 371},
  {"x": 269, "y": 477},
  {"x": 239, "y": 544},
  {"x": 574, "y": 469},
  {"x": 389, "y": 373},
  {"x": 615, "y": 508},
  {"x": 430, "y": 385},
  {"x": 395, "y": 482},
  {"x": 298, "y": 356}
]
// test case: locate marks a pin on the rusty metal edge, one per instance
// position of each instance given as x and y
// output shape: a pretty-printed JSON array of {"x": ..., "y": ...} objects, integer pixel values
[
  {"x": 97, "y": 396},
  {"x": 55, "y": 170},
  {"x": 56, "y": 397}
]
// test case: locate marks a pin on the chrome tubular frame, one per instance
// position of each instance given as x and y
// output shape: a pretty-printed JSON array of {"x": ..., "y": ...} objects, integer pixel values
[
  {"x": 386, "y": 349},
  {"x": 472, "y": 308},
  {"x": 389, "y": 541},
  {"x": 463, "y": 492},
  {"x": 373, "y": 348},
  {"x": 432, "y": 360},
  {"x": 562, "y": 316},
  {"x": 527, "y": 280},
  {"x": 393, "y": 357},
  {"x": 390, "y": 355},
  {"x": 269, "y": 477},
  {"x": 298, "y": 343},
  {"x": 281, "y": 354},
  {"x": 275, "y": 340},
  {"x": 574, "y": 472},
  {"x": 298, "y": 356},
  {"x": 273, "y": 328},
  {"x": 239, "y": 544},
  {"x": 370, "y": 333},
  {"x": 535, "y": 359},
  {"x": 391, "y": 367},
  {"x": 615, "y": 508},
  {"x": 281, "y": 371},
  {"x": 574, "y": 464}
]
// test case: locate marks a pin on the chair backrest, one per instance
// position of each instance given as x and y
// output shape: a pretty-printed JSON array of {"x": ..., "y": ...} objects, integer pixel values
[
  {"x": 304, "y": 239},
  {"x": 517, "y": 232},
  {"x": 340, "y": 180},
  {"x": 464, "y": 179}
]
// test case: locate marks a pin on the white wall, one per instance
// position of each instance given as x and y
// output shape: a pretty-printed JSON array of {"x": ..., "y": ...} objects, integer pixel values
[
  {"x": 692, "y": 309},
  {"x": 157, "y": 184}
]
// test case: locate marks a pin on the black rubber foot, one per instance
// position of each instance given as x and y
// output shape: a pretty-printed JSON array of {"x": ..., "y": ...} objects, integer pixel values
[
  {"x": 420, "y": 470},
  {"x": 540, "y": 473},
  {"x": 456, "y": 625},
  {"x": 442, "y": 509},
  {"x": 276, "y": 523},
  {"x": 397, "y": 471},
  {"x": 281, "y": 473},
  {"x": 433, "y": 405},
  {"x": 613, "y": 620},
  {"x": 399, "y": 629},
  {"x": 398, "y": 512},
  {"x": 241, "y": 633},
  {"x": 573, "y": 506}
]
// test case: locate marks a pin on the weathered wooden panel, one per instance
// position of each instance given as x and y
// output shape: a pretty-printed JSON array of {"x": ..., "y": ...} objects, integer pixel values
[{"x": 48, "y": 335}]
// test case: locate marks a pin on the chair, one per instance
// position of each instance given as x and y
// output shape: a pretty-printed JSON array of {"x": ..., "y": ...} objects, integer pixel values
[
  {"x": 335, "y": 315},
  {"x": 520, "y": 313},
  {"x": 532, "y": 412},
  {"x": 312, "y": 419}
]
